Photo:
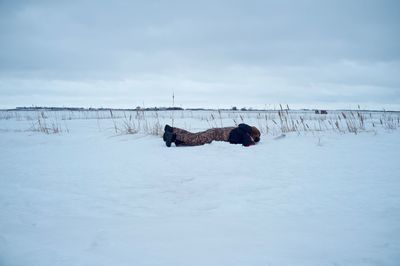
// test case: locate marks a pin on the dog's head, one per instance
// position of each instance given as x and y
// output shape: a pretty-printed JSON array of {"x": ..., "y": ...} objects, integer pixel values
[{"x": 255, "y": 134}]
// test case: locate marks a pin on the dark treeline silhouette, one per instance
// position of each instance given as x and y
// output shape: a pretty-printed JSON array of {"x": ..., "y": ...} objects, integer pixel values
[
  {"x": 138, "y": 108},
  {"x": 56, "y": 108}
]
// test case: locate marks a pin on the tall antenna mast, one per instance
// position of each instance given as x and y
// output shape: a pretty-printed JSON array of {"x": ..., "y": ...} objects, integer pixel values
[{"x": 173, "y": 107}]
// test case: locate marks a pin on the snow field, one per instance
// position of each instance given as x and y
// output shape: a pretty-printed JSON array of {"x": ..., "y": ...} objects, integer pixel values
[{"x": 90, "y": 197}]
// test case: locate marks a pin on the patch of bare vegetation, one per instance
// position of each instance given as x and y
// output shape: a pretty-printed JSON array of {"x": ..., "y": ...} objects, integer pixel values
[
  {"x": 136, "y": 122},
  {"x": 270, "y": 122},
  {"x": 48, "y": 126}
]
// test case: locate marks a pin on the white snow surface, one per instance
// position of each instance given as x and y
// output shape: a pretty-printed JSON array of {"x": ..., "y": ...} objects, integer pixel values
[{"x": 89, "y": 197}]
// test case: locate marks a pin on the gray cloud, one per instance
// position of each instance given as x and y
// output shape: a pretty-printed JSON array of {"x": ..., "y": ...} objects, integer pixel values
[{"x": 216, "y": 53}]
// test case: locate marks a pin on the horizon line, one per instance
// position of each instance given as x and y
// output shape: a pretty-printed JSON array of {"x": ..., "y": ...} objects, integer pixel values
[{"x": 169, "y": 108}]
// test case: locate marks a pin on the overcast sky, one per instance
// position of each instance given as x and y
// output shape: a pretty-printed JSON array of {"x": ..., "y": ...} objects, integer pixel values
[{"x": 325, "y": 54}]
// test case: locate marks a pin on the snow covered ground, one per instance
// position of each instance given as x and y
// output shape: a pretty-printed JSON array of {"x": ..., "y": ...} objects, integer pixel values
[{"x": 90, "y": 197}]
